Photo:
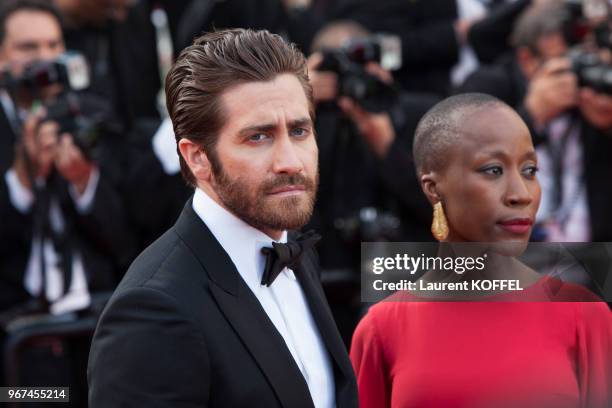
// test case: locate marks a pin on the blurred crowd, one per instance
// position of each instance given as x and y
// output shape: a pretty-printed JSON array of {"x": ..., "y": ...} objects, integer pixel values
[{"x": 89, "y": 173}]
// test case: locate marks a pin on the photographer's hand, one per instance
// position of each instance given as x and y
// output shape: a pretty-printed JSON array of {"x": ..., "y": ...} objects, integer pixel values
[
  {"x": 38, "y": 142},
  {"x": 324, "y": 84},
  {"x": 376, "y": 128},
  {"x": 552, "y": 90},
  {"x": 596, "y": 108},
  {"x": 71, "y": 164}
]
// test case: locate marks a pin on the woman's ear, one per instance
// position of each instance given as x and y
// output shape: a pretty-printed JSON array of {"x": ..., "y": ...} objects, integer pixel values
[
  {"x": 430, "y": 186},
  {"x": 196, "y": 159}
]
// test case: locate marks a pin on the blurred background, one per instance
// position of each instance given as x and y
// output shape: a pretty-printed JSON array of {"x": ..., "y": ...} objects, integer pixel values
[{"x": 89, "y": 174}]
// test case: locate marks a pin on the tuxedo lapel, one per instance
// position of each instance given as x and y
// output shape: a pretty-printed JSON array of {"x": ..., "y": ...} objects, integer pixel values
[
  {"x": 344, "y": 375},
  {"x": 266, "y": 345},
  {"x": 244, "y": 313}
]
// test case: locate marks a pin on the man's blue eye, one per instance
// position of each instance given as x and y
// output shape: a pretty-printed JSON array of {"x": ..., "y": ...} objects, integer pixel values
[
  {"x": 257, "y": 137},
  {"x": 299, "y": 132}
]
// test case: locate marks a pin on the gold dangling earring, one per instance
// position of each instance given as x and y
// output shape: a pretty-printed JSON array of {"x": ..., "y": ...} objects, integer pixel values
[{"x": 439, "y": 225}]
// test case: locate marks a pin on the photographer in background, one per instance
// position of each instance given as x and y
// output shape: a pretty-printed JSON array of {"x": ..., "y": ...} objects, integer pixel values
[
  {"x": 118, "y": 39},
  {"x": 364, "y": 125},
  {"x": 565, "y": 98},
  {"x": 64, "y": 232},
  {"x": 432, "y": 33}
]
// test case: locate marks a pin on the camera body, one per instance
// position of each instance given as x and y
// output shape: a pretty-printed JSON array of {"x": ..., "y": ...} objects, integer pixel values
[
  {"x": 69, "y": 73},
  {"x": 354, "y": 81},
  {"x": 591, "y": 71},
  {"x": 69, "y": 70}
]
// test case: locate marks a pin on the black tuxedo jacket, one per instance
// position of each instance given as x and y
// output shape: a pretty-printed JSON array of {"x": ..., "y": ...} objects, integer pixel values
[{"x": 184, "y": 330}]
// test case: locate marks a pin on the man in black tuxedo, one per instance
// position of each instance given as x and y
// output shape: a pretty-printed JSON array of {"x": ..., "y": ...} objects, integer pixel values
[{"x": 224, "y": 310}]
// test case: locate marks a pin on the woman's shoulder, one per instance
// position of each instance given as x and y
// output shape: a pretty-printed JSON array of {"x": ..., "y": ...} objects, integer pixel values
[
  {"x": 388, "y": 311},
  {"x": 562, "y": 291}
]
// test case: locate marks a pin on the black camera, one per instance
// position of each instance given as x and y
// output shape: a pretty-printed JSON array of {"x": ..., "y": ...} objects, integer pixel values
[
  {"x": 591, "y": 71},
  {"x": 353, "y": 79},
  {"x": 85, "y": 130},
  {"x": 56, "y": 83},
  {"x": 70, "y": 71},
  {"x": 603, "y": 35}
]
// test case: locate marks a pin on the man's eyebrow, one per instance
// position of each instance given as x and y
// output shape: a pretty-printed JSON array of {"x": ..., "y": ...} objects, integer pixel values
[
  {"x": 27, "y": 44},
  {"x": 302, "y": 122},
  {"x": 270, "y": 127}
]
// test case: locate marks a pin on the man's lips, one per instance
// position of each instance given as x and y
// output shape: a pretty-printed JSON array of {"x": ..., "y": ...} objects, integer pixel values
[
  {"x": 517, "y": 225},
  {"x": 288, "y": 189}
]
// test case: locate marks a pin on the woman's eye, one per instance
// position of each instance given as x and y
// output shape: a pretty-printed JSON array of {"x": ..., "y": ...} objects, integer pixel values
[
  {"x": 531, "y": 170},
  {"x": 494, "y": 170}
]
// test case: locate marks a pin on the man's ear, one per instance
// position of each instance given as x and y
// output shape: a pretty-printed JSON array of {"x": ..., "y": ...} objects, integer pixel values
[
  {"x": 196, "y": 159},
  {"x": 430, "y": 186}
]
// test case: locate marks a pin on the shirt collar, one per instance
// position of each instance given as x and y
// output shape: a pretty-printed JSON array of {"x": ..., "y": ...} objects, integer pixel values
[{"x": 241, "y": 241}]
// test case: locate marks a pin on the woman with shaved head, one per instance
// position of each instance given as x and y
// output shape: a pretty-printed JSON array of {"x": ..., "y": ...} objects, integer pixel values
[{"x": 477, "y": 167}]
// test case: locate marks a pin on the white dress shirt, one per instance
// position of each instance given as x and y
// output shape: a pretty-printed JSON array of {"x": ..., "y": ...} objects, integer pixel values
[
  {"x": 77, "y": 296},
  {"x": 283, "y": 301},
  {"x": 468, "y": 61},
  {"x": 571, "y": 222}
]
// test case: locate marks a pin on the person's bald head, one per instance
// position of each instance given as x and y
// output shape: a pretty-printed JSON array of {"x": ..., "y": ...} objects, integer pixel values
[{"x": 443, "y": 126}]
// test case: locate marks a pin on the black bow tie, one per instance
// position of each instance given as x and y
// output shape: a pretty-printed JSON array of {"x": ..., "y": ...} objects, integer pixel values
[{"x": 286, "y": 255}]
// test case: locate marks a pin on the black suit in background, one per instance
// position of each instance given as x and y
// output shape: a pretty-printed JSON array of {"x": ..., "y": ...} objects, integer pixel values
[
  {"x": 184, "y": 330},
  {"x": 352, "y": 177},
  {"x": 101, "y": 236},
  {"x": 429, "y": 44},
  {"x": 145, "y": 181},
  {"x": 7, "y": 142},
  {"x": 490, "y": 37},
  {"x": 504, "y": 79},
  {"x": 124, "y": 64},
  {"x": 201, "y": 16}
]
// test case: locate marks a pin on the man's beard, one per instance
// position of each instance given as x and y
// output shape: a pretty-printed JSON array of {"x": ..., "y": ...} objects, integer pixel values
[{"x": 258, "y": 209}]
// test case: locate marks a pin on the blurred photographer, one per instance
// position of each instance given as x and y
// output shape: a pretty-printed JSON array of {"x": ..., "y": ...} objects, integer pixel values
[
  {"x": 64, "y": 232},
  {"x": 118, "y": 39},
  {"x": 364, "y": 126},
  {"x": 559, "y": 78}
]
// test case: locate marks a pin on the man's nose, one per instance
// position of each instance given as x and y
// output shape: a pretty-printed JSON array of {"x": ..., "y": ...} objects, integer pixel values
[{"x": 286, "y": 158}]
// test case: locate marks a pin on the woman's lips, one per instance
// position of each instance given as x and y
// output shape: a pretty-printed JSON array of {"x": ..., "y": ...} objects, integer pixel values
[{"x": 517, "y": 226}]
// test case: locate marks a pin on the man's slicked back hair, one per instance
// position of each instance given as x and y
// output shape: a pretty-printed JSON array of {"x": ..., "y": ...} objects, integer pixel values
[{"x": 216, "y": 62}]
